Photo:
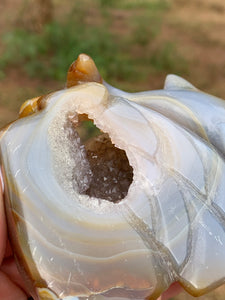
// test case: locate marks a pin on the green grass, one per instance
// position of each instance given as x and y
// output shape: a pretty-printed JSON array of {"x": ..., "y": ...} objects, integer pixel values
[
  {"x": 167, "y": 58},
  {"x": 134, "y": 4},
  {"x": 49, "y": 53}
]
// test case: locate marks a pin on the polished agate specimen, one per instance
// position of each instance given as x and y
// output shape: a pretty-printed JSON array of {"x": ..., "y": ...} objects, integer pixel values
[{"x": 127, "y": 210}]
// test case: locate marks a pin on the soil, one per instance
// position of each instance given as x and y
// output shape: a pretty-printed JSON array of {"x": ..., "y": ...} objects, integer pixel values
[{"x": 196, "y": 27}]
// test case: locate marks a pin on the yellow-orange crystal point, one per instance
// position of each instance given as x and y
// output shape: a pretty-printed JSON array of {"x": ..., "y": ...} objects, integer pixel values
[{"x": 83, "y": 70}]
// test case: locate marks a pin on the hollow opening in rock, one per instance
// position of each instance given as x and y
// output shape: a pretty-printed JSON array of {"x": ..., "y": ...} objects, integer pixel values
[{"x": 109, "y": 173}]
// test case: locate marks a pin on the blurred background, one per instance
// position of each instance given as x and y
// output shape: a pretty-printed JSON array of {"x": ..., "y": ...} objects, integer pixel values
[{"x": 134, "y": 44}]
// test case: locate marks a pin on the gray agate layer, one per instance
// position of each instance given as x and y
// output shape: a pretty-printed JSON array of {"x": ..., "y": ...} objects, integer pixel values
[{"x": 156, "y": 216}]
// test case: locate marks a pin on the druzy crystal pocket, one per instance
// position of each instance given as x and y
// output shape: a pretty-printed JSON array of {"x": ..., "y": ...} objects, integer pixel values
[{"x": 126, "y": 211}]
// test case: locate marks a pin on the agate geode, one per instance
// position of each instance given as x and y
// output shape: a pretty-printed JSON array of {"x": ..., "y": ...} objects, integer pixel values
[{"x": 124, "y": 211}]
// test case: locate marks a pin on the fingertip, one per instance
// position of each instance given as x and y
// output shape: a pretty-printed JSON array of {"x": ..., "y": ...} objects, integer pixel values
[
  {"x": 9, "y": 290},
  {"x": 172, "y": 291},
  {"x": 3, "y": 234},
  {"x": 9, "y": 268},
  {"x": 1, "y": 182}
]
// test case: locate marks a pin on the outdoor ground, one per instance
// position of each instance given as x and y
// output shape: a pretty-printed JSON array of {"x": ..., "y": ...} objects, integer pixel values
[{"x": 135, "y": 44}]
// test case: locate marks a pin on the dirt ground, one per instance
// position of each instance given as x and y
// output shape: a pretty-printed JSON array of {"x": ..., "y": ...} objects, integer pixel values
[{"x": 197, "y": 27}]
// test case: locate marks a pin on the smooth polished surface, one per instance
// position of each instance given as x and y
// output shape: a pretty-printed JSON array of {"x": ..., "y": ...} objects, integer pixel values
[{"x": 168, "y": 227}]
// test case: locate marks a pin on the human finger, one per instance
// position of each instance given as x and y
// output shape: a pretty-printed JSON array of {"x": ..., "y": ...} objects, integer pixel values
[
  {"x": 10, "y": 290},
  {"x": 10, "y": 281},
  {"x": 10, "y": 269},
  {"x": 172, "y": 291},
  {"x": 3, "y": 233}
]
